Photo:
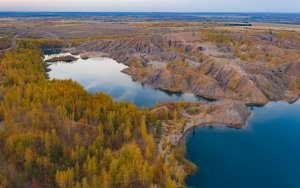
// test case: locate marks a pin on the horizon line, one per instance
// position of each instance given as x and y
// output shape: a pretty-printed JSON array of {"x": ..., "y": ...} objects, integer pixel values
[{"x": 189, "y": 12}]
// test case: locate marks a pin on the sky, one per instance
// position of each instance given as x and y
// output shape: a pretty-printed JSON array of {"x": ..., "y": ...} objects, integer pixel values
[{"x": 152, "y": 5}]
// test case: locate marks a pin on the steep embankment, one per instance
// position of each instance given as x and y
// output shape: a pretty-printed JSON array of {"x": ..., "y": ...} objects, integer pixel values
[
  {"x": 126, "y": 50},
  {"x": 205, "y": 69},
  {"x": 187, "y": 115}
]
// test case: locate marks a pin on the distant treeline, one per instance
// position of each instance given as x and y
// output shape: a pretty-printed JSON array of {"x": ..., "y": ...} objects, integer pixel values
[{"x": 238, "y": 24}]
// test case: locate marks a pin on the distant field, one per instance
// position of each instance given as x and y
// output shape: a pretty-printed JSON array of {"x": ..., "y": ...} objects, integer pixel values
[{"x": 278, "y": 18}]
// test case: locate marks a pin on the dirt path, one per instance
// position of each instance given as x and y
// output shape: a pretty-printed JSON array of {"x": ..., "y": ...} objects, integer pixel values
[
  {"x": 52, "y": 35},
  {"x": 14, "y": 44}
]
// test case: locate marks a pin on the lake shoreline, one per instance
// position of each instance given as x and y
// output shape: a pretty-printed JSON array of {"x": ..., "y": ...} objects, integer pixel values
[
  {"x": 173, "y": 95},
  {"x": 175, "y": 137},
  {"x": 181, "y": 136},
  {"x": 268, "y": 128},
  {"x": 95, "y": 54}
]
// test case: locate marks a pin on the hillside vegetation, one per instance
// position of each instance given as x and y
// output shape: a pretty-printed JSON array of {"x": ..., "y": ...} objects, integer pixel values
[
  {"x": 56, "y": 134},
  {"x": 5, "y": 41}
]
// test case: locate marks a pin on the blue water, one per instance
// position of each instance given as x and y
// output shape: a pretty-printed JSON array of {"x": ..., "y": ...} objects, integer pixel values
[
  {"x": 264, "y": 154},
  {"x": 104, "y": 75}
]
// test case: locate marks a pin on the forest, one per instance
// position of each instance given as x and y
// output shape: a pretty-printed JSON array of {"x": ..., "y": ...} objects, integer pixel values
[{"x": 53, "y": 133}]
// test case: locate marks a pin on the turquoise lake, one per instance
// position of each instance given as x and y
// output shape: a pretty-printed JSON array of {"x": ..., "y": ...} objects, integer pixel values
[{"x": 264, "y": 154}]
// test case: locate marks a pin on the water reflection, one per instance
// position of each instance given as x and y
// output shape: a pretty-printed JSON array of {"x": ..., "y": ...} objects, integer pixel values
[{"x": 104, "y": 75}]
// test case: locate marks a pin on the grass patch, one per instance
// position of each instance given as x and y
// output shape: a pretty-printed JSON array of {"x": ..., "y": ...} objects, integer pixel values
[{"x": 193, "y": 111}]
